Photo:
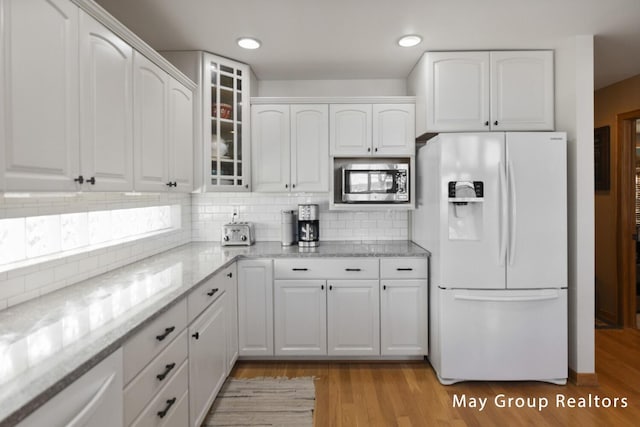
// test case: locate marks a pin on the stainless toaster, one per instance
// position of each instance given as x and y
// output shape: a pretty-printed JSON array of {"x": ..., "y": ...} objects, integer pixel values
[{"x": 237, "y": 234}]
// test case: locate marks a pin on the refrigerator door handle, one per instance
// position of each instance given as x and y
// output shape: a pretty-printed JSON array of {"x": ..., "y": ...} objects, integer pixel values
[
  {"x": 502, "y": 248},
  {"x": 513, "y": 216},
  {"x": 507, "y": 299}
]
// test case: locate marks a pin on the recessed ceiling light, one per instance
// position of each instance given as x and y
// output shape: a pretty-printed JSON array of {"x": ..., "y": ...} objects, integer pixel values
[
  {"x": 248, "y": 43},
  {"x": 410, "y": 40}
]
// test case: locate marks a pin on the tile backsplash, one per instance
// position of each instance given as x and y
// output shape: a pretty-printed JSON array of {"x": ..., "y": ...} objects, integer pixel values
[
  {"x": 212, "y": 210},
  {"x": 70, "y": 210}
]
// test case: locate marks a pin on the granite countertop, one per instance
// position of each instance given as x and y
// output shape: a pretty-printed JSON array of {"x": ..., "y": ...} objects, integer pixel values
[{"x": 47, "y": 343}]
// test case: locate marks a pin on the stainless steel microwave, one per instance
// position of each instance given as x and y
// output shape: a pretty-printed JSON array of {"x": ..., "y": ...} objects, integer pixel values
[{"x": 375, "y": 183}]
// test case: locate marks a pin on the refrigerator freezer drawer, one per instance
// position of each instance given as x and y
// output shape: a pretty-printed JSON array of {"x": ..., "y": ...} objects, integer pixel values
[{"x": 503, "y": 335}]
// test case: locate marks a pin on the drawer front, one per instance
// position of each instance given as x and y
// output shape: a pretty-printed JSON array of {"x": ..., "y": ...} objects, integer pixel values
[
  {"x": 404, "y": 268},
  {"x": 209, "y": 291},
  {"x": 146, "y": 344},
  {"x": 165, "y": 405},
  {"x": 326, "y": 268},
  {"x": 152, "y": 378}
]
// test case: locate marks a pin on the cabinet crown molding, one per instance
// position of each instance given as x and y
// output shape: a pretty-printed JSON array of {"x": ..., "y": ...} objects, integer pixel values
[{"x": 256, "y": 100}]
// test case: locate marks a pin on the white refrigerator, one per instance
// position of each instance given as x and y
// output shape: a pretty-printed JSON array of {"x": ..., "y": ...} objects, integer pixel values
[{"x": 492, "y": 209}]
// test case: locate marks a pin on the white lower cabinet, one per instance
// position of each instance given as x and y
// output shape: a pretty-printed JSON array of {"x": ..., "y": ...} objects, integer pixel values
[
  {"x": 207, "y": 359},
  {"x": 300, "y": 317},
  {"x": 353, "y": 318},
  {"x": 231, "y": 300},
  {"x": 93, "y": 400},
  {"x": 403, "y": 317},
  {"x": 255, "y": 307}
]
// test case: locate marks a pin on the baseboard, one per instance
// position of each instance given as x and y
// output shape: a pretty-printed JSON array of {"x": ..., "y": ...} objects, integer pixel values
[{"x": 583, "y": 379}]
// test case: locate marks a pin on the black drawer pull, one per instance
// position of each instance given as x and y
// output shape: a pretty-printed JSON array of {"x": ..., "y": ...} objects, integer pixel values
[
  {"x": 384, "y": 287},
  {"x": 170, "y": 403},
  {"x": 196, "y": 335},
  {"x": 330, "y": 287},
  {"x": 168, "y": 368},
  {"x": 212, "y": 291},
  {"x": 404, "y": 269},
  {"x": 167, "y": 331},
  {"x": 353, "y": 269},
  {"x": 300, "y": 269},
  {"x": 229, "y": 275}
]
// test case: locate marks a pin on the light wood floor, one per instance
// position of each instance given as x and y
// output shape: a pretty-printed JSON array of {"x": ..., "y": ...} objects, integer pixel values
[{"x": 408, "y": 394}]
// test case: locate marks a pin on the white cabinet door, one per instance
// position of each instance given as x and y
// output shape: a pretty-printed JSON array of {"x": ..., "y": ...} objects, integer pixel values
[
  {"x": 394, "y": 129},
  {"x": 255, "y": 307},
  {"x": 94, "y": 399},
  {"x": 353, "y": 313},
  {"x": 522, "y": 90},
  {"x": 180, "y": 136},
  {"x": 150, "y": 137},
  {"x": 457, "y": 91},
  {"x": 403, "y": 317},
  {"x": 106, "y": 108},
  {"x": 350, "y": 129},
  {"x": 39, "y": 114},
  {"x": 300, "y": 322},
  {"x": 207, "y": 359},
  {"x": 310, "y": 148},
  {"x": 270, "y": 141},
  {"x": 231, "y": 293}
]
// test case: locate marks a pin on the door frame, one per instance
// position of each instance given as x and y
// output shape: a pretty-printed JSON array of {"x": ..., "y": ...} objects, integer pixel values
[{"x": 626, "y": 218}]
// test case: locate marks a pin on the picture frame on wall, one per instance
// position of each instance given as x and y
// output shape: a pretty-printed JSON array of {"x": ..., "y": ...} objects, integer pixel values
[{"x": 602, "y": 158}]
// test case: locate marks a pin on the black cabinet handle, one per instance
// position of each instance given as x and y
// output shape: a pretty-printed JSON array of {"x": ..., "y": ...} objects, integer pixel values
[
  {"x": 229, "y": 275},
  {"x": 168, "y": 369},
  {"x": 375, "y": 149},
  {"x": 384, "y": 287},
  {"x": 352, "y": 269},
  {"x": 368, "y": 150},
  {"x": 169, "y": 184},
  {"x": 212, "y": 291},
  {"x": 322, "y": 287},
  {"x": 167, "y": 331},
  {"x": 196, "y": 335},
  {"x": 246, "y": 186},
  {"x": 286, "y": 186},
  {"x": 92, "y": 180},
  {"x": 79, "y": 179},
  {"x": 404, "y": 269},
  {"x": 330, "y": 287},
  {"x": 486, "y": 123},
  {"x": 495, "y": 123},
  {"x": 293, "y": 186},
  {"x": 170, "y": 403},
  {"x": 300, "y": 269}
]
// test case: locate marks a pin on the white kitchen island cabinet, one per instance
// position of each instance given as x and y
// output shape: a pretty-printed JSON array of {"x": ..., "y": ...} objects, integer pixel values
[
  {"x": 292, "y": 142},
  {"x": 255, "y": 307},
  {"x": 39, "y": 95},
  {"x": 483, "y": 91},
  {"x": 93, "y": 400}
]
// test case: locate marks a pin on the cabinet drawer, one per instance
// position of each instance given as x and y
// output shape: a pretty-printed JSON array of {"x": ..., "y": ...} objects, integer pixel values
[
  {"x": 164, "y": 404},
  {"x": 209, "y": 291},
  {"x": 326, "y": 268},
  {"x": 143, "y": 347},
  {"x": 152, "y": 378},
  {"x": 404, "y": 268}
]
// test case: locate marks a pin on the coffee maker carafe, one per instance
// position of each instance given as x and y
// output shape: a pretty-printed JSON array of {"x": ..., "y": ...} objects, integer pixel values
[{"x": 308, "y": 226}]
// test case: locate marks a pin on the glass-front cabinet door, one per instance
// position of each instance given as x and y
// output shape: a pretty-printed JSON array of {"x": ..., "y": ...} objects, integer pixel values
[{"x": 226, "y": 127}]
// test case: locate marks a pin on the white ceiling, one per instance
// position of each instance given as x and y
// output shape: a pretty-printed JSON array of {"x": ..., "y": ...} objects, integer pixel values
[{"x": 356, "y": 39}]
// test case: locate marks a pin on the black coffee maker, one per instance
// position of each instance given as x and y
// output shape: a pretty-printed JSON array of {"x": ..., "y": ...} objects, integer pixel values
[{"x": 308, "y": 226}]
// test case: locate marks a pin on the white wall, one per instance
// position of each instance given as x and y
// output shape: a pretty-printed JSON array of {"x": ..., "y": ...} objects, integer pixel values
[
  {"x": 363, "y": 87},
  {"x": 574, "y": 114},
  {"x": 211, "y": 211}
]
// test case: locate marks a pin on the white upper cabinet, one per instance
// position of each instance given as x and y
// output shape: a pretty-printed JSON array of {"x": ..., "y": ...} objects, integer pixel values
[
  {"x": 106, "y": 100},
  {"x": 350, "y": 130},
  {"x": 393, "y": 129},
  {"x": 482, "y": 91},
  {"x": 181, "y": 135},
  {"x": 372, "y": 129},
  {"x": 39, "y": 113},
  {"x": 270, "y": 147},
  {"x": 291, "y": 144},
  {"x": 163, "y": 123},
  {"x": 522, "y": 90}
]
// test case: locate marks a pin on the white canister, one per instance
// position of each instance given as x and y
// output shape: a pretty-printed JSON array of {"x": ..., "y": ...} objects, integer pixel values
[{"x": 288, "y": 228}]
